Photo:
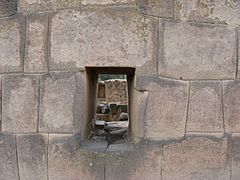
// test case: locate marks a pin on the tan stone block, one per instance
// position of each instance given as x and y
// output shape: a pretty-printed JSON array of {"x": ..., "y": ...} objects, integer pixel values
[
  {"x": 196, "y": 51},
  {"x": 68, "y": 161},
  {"x": 32, "y": 156},
  {"x": 61, "y": 102},
  {"x": 103, "y": 37},
  {"x": 236, "y": 158},
  {"x": 196, "y": 159},
  {"x": 231, "y": 101},
  {"x": 29, "y": 6},
  {"x": 123, "y": 161},
  {"x": 160, "y": 8},
  {"x": 216, "y": 11},
  {"x": 165, "y": 115},
  {"x": 11, "y": 43},
  {"x": 36, "y": 44},
  {"x": 20, "y": 103},
  {"x": 109, "y": 2},
  {"x": 8, "y": 7},
  {"x": 205, "y": 107},
  {"x": 8, "y": 159}
]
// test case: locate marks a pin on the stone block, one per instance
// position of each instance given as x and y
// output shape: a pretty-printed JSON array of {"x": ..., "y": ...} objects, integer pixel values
[
  {"x": 32, "y": 156},
  {"x": 163, "y": 8},
  {"x": 61, "y": 102},
  {"x": 29, "y": 6},
  {"x": 20, "y": 103},
  {"x": 166, "y": 107},
  {"x": 231, "y": 101},
  {"x": 11, "y": 43},
  {"x": 216, "y": 11},
  {"x": 36, "y": 44},
  {"x": 68, "y": 161},
  {"x": 205, "y": 107},
  {"x": 109, "y": 2},
  {"x": 8, "y": 7},
  {"x": 8, "y": 158},
  {"x": 124, "y": 161},
  {"x": 236, "y": 158},
  {"x": 196, "y": 51},
  {"x": 103, "y": 38},
  {"x": 196, "y": 159}
]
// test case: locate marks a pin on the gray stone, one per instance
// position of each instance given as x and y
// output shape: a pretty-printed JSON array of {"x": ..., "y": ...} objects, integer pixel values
[
  {"x": 109, "y": 2},
  {"x": 61, "y": 102},
  {"x": 205, "y": 107},
  {"x": 231, "y": 101},
  {"x": 236, "y": 158},
  {"x": 160, "y": 8},
  {"x": 8, "y": 7},
  {"x": 20, "y": 103},
  {"x": 36, "y": 44},
  {"x": 68, "y": 161},
  {"x": 29, "y": 6},
  {"x": 8, "y": 159},
  {"x": 11, "y": 43},
  {"x": 217, "y": 11},
  {"x": 198, "y": 158},
  {"x": 166, "y": 107},
  {"x": 103, "y": 37},
  {"x": 196, "y": 51},
  {"x": 32, "y": 156}
]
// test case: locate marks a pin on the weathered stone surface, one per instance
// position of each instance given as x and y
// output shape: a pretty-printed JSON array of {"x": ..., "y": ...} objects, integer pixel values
[
  {"x": 193, "y": 51},
  {"x": 36, "y": 44},
  {"x": 123, "y": 161},
  {"x": 236, "y": 158},
  {"x": 109, "y": 2},
  {"x": 68, "y": 161},
  {"x": 166, "y": 108},
  {"x": 160, "y": 8},
  {"x": 11, "y": 39},
  {"x": 205, "y": 107},
  {"x": 8, "y": 7},
  {"x": 46, "y": 5},
  {"x": 231, "y": 102},
  {"x": 32, "y": 156},
  {"x": 103, "y": 37},
  {"x": 8, "y": 159},
  {"x": 61, "y": 102},
  {"x": 238, "y": 33},
  {"x": 20, "y": 103},
  {"x": 217, "y": 11},
  {"x": 196, "y": 159}
]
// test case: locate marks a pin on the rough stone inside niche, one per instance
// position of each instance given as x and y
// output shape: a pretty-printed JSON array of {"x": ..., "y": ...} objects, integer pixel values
[{"x": 111, "y": 119}]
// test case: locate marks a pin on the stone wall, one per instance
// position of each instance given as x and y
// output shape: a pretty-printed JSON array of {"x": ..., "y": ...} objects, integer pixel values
[{"x": 185, "y": 96}]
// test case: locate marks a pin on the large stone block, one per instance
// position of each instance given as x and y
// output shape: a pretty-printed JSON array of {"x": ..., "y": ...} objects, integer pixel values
[
  {"x": 196, "y": 159},
  {"x": 160, "y": 8},
  {"x": 29, "y": 6},
  {"x": 8, "y": 158},
  {"x": 109, "y": 2},
  {"x": 20, "y": 103},
  {"x": 61, "y": 102},
  {"x": 236, "y": 158},
  {"x": 196, "y": 51},
  {"x": 68, "y": 161},
  {"x": 231, "y": 101},
  {"x": 166, "y": 107},
  {"x": 36, "y": 44},
  {"x": 124, "y": 161},
  {"x": 11, "y": 43},
  {"x": 32, "y": 156},
  {"x": 205, "y": 107},
  {"x": 217, "y": 11},
  {"x": 103, "y": 37},
  {"x": 8, "y": 7}
]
